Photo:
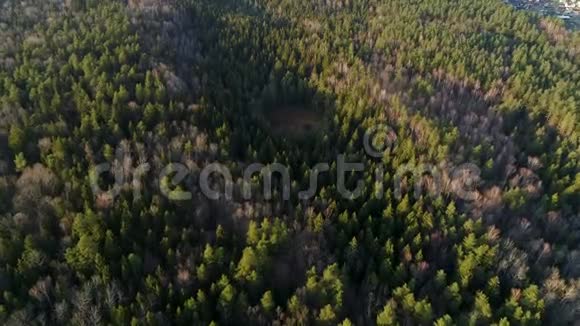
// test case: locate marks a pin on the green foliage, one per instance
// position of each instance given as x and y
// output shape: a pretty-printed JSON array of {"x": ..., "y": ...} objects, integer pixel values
[
  {"x": 20, "y": 162},
  {"x": 388, "y": 316},
  {"x": 16, "y": 139},
  {"x": 267, "y": 301},
  {"x": 196, "y": 82}
]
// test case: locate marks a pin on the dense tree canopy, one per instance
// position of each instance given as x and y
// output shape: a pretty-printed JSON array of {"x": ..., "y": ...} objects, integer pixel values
[{"x": 195, "y": 82}]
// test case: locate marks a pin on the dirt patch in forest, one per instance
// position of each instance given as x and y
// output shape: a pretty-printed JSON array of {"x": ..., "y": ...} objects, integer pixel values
[{"x": 293, "y": 121}]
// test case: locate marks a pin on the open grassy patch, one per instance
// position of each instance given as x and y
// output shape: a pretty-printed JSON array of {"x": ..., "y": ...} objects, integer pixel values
[{"x": 294, "y": 121}]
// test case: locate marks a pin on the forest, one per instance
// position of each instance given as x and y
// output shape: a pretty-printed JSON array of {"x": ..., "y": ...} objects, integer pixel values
[{"x": 291, "y": 82}]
